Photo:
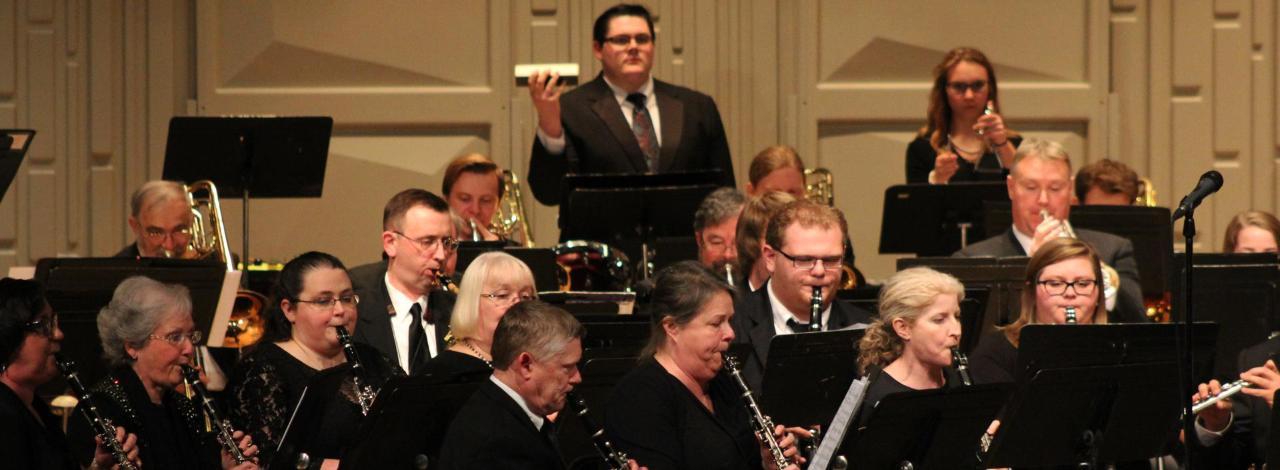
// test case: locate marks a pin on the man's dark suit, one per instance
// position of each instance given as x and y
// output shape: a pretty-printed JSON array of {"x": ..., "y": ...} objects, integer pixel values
[
  {"x": 491, "y": 431},
  {"x": 1112, "y": 250},
  {"x": 599, "y": 140},
  {"x": 753, "y": 324},
  {"x": 375, "y": 310},
  {"x": 1245, "y": 443}
]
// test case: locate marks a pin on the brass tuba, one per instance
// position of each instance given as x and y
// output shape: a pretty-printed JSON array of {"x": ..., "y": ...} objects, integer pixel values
[
  {"x": 820, "y": 187},
  {"x": 511, "y": 218},
  {"x": 209, "y": 239},
  {"x": 1146, "y": 193}
]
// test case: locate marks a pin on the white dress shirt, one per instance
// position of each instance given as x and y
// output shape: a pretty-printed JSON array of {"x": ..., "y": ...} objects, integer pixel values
[
  {"x": 400, "y": 323},
  {"x": 555, "y": 146},
  {"x": 537, "y": 420},
  {"x": 781, "y": 314}
]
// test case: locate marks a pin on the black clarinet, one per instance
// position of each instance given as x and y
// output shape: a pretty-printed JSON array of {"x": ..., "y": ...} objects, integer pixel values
[
  {"x": 815, "y": 310},
  {"x": 961, "y": 363},
  {"x": 101, "y": 426},
  {"x": 615, "y": 459},
  {"x": 224, "y": 432},
  {"x": 364, "y": 393}
]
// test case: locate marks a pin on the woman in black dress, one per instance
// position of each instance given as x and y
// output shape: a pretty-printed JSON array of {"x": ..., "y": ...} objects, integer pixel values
[
  {"x": 678, "y": 409},
  {"x": 962, "y": 142},
  {"x": 312, "y": 296},
  {"x": 492, "y": 284},
  {"x": 909, "y": 346},
  {"x": 147, "y": 336}
]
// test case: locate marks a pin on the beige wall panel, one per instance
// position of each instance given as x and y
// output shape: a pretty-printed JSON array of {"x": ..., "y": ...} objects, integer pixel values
[
  {"x": 8, "y": 48},
  {"x": 1129, "y": 80},
  {"x": 41, "y": 218},
  {"x": 1263, "y": 104}
]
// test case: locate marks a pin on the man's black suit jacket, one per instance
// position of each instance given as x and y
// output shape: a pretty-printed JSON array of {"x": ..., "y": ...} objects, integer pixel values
[
  {"x": 1245, "y": 443},
  {"x": 753, "y": 324},
  {"x": 599, "y": 140},
  {"x": 1113, "y": 250},
  {"x": 375, "y": 310},
  {"x": 491, "y": 431}
]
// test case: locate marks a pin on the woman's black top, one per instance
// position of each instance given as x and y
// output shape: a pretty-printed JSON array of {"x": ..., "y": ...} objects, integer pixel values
[
  {"x": 170, "y": 434},
  {"x": 882, "y": 385},
  {"x": 995, "y": 360},
  {"x": 921, "y": 157},
  {"x": 29, "y": 442},
  {"x": 452, "y": 366},
  {"x": 266, "y": 385},
  {"x": 658, "y": 422}
]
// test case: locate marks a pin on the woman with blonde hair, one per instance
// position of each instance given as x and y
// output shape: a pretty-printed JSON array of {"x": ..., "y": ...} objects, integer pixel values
[
  {"x": 909, "y": 346},
  {"x": 492, "y": 284}
]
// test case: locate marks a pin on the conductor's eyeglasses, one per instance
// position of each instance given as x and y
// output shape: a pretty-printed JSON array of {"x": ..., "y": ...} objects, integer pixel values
[
  {"x": 1058, "y": 287},
  {"x": 831, "y": 263},
  {"x": 624, "y": 40}
]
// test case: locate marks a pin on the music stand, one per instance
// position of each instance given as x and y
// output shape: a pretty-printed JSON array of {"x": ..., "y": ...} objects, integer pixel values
[
  {"x": 541, "y": 261},
  {"x": 1003, "y": 277},
  {"x": 1241, "y": 293},
  {"x": 271, "y": 157},
  {"x": 935, "y": 219},
  {"x": 973, "y": 309},
  {"x": 632, "y": 211},
  {"x": 13, "y": 146},
  {"x": 1062, "y": 346},
  {"x": 408, "y": 422},
  {"x": 807, "y": 375},
  {"x": 314, "y": 410}
]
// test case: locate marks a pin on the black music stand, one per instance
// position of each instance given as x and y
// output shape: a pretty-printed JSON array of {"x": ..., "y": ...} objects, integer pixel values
[
  {"x": 973, "y": 309},
  {"x": 807, "y": 375},
  {"x": 268, "y": 157},
  {"x": 408, "y": 422},
  {"x": 541, "y": 261},
  {"x": 930, "y": 429},
  {"x": 1003, "y": 277},
  {"x": 13, "y": 146},
  {"x": 935, "y": 219},
  {"x": 316, "y": 407},
  {"x": 1063, "y": 346},
  {"x": 1240, "y": 292},
  {"x": 632, "y": 211}
]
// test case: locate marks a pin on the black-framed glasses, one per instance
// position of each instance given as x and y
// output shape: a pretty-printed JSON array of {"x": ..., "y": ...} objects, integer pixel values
[
  {"x": 1059, "y": 287},
  {"x": 624, "y": 40},
  {"x": 830, "y": 263},
  {"x": 329, "y": 302},
  {"x": 960, "y": 87},
  {"x": 156, "y": 234},
  {"x": 175, "y": 339},
  {"x": 43, "y": 326},
  {"x": 429, "y": 243},
  {"x": 506, "y": 298}
]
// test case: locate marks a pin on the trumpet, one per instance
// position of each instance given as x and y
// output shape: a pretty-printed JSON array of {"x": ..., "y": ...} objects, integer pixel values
[
  {"x": 224, "y": 433},
  {"x": 615, "y": 459},
  {"x": 101, "y": 426},
  {"x": 962, "y": 365},
  {"x": 364, "y": 392},
  {"x": 763, "y": 424},
  {"x": 1227, "y": 391}
]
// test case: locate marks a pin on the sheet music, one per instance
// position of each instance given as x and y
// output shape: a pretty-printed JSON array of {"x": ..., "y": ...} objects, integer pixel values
[
  {"x": 839, "y": 425},
  {"x": 226, "y": 303}
]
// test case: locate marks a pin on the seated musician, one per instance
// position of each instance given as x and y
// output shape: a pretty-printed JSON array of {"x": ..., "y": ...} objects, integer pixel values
[
  {"x": 750, "y": 236},
  {"x": 909, "y": 346},
  {"x": 1063, "y": 273},
  {"x": 1107, "y": 182},
  {"x": 492, "y": 284},
  {"x": 1252, "y": 232},
  {"x": 776, "y": 168},
  {"x": 505, "y": 424},
  {"x": 147, "y": 334},
  {"x": 1233, "y": 432},
  {"x": 679, "y": 408},
  {"x": 473, "y": 187},
  {"x": 312, "y": 296},
  {"x": 714, "y": 227},
  {"x": 803, "y": 250},
  {"x": 1040, "y": 180},
  {"x": 29, "y": 338},
  {"x": 161, "y": 221}
]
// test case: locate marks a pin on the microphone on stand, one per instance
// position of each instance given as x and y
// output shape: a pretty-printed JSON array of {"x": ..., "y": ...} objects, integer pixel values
[{"x": 1209, "y": 183}]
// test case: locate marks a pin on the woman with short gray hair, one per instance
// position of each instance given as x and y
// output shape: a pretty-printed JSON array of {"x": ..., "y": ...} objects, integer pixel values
[{"x": 147, "y": 336}]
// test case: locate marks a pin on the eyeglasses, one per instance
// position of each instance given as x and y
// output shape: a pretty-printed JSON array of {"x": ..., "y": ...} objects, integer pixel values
[
  {"x": 506, "y": 298},
  {"x": 329, "y": 302},
  {"x": 156, "y": 235},
  {"x": 175, "y": 339},
  {"x": 831, "y": 263},
  {"x": 427, "y": 244},
  {"x": 624, "y": 40},
  {"x": 959, "y": 87},
  {"x": 44, "y": 326},
  {"x": 1080, "y": 286}
]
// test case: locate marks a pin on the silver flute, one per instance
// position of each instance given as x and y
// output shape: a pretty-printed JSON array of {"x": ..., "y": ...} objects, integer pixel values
[
  {"x": 763, "y": 424},
  {"x": 364, "y": 392},
  {"x": 961, "y": 363},
  {"x": 101, "y": 426},
  {"x": 225, "y": 435},
  {"x": 1227, "y": 391},
  {"x": 614, "y": 458}
]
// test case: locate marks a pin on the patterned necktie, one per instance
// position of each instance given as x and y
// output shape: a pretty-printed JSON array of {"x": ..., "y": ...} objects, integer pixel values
[
  {"x": 642, "y": 126},
  {"x": 418, "y": 352}
]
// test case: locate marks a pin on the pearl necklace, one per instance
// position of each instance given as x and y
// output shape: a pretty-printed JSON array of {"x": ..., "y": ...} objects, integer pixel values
[{"x": 467, "y": 342}]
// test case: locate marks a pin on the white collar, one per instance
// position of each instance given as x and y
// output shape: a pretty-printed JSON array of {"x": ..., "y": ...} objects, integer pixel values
[
  {"x": 781, "y": 315},
  {"x": 1023, "y": 239},
  {"x": 400, "y": 301},
  {"x": 537, "y": 420},
  {"x": 621, "y": 94}
]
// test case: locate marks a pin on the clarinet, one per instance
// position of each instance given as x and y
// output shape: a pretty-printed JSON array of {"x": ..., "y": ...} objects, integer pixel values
[
  {"x": 763, "y": 424},
  {"x": 101, "y": 426},
  {"x": 815, "y": 310},
  {"x": 364, "y": 392},
  {"x": 223, "y": 427},
  {"x": 615, "y": 459},
  {"x": 1071, "y": 315},
  {"x": 961, "y": 362}
]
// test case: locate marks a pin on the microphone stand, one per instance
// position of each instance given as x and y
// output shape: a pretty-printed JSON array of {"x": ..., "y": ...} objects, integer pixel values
[{"x": 1187, "y": 374}]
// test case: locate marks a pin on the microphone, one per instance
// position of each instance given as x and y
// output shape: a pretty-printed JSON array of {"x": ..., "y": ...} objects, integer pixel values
[{"x": 1209, "y": 183}]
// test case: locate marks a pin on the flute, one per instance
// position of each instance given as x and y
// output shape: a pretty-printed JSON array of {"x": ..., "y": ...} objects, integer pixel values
[
  {"x": 224, "y": 433},
  {"x": 101, "y": 426},
  {"x": 1227, "y": 391}
]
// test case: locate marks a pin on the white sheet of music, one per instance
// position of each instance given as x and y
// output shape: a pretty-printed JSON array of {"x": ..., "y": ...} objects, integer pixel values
[{"x": 839, "y": 425}]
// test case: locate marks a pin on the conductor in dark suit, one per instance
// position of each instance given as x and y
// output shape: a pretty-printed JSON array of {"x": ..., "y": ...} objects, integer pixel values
[
  {"x": 1040, "y": 180},
  {"x": 804, "y": 247},
  {"x": 402, "y": 314},
  {"x": 504, "y": 425},
  {"x": 623, "y": 121},
  {"x": 1233, "y": 433}
]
